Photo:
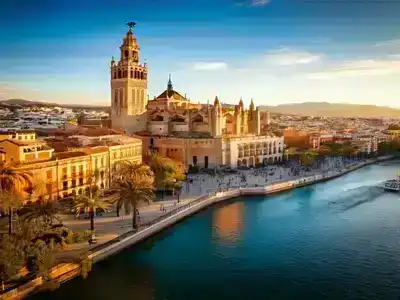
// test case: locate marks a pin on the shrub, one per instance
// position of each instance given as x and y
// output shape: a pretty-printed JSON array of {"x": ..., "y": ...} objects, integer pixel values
[{"x": 77, "y": 237}]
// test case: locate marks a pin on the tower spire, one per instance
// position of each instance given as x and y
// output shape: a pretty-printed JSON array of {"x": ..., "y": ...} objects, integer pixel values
[
  {"x": 169, "y": 85},
  {"x": 251, "y": 105}
]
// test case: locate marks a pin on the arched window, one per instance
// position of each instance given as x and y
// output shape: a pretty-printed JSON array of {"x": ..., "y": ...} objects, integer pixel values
[
  {"x": 131, "y": 73},
  {"x": 119, "y": 74},
  {"x": 126, "y": 53},
  {"x": 115, "y": 75},
  {"x": 133, "y": 98},
  {"x": 115, "y": 98}
]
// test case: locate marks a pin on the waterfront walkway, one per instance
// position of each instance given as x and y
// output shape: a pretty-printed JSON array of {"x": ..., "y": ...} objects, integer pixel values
[
  {"x": 109, "y": 227},
  {"x": 115, "y": 233}
]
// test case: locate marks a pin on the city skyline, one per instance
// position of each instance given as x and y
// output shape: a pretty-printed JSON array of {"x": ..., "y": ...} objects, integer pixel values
[{"x": 273, "y": 51}]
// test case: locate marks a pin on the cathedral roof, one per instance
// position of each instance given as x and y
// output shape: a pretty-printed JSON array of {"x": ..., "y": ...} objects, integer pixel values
[{"x": 171, "y": 94}]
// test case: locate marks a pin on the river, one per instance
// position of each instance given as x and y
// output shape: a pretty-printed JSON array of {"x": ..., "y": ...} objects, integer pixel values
[{"x": 334, "y": 240}]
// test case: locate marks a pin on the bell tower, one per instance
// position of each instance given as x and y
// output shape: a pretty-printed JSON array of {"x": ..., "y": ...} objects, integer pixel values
[{"x": 128, "y": 83}]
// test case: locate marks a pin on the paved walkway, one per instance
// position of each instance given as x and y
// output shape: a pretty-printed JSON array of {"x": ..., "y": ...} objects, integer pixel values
[{"x": 109, "y": 226}]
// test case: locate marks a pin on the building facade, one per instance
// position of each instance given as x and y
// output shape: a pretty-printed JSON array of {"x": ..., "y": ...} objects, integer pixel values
[
  {"x": 93, "y": 161},
  {"x": 128, "y": 87},
  {"x": 206, "y": 135}
]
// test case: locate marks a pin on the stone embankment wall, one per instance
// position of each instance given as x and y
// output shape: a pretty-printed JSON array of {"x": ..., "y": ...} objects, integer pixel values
[{"x": 68, "y": 271}]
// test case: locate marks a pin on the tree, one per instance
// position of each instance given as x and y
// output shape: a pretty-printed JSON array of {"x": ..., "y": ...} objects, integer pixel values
[
  {"x": 290, "y": 152},
  {"x": 10, "y": 179},
  {"x": 11, "y": 258},
  {"x": 134, "y": 193},
  {"x": 165, "y": 171},
  {"x": 14, "y": 182},
  {"x": 90, "y": 204},
  {"x": 9, "y": 200},
  {"x": 44, "y": 212},
  {"x": 307, "y": 157},
  {"x": 129, "y": 170}
]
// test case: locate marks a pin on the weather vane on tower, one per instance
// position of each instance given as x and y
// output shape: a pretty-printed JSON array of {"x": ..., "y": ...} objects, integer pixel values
[{"x": 131, "y": 25}]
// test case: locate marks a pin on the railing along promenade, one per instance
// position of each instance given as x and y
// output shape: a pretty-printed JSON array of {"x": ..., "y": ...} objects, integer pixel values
[{"x": 68, "y": 271}]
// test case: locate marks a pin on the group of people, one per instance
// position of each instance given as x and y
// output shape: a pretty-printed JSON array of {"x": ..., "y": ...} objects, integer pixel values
[{"x": 200, "y": 184}]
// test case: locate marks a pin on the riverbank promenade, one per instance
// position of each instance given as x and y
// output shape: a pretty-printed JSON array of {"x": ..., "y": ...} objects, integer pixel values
[{"x": 115, "y": 233}]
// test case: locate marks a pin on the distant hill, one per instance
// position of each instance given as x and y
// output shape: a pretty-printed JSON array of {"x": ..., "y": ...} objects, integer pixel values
[
  {"x": 325, "y": 109},
  {"x": 17, "y": 103}
]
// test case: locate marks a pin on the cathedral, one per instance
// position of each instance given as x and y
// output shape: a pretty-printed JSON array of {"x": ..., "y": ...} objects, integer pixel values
[{"x": 204, "y": 135}]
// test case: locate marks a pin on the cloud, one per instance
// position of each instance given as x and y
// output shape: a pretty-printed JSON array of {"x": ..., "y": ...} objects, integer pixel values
[
  {"x": 259, "y": 2},
  {"x": 256, "y": 3},
  {"x": 209, "y": 66},
  {"x": 391, "y": 42},
  {"x": 288, "y": 57},
  {"x": 359, "y": 68}
]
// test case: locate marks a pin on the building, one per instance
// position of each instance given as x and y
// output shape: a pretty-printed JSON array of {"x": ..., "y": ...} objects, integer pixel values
[
  {"x": 64, "y": 171},
  {"x": 204, "y": 135},
  {"x": 128, "y": 87}
]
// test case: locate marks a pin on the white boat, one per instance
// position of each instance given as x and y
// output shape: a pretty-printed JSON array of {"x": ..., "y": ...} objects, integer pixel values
[{"x": 392, "y": 184}]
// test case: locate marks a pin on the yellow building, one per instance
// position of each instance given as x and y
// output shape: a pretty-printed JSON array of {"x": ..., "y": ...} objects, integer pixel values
[{"x": 62, "y": 174}]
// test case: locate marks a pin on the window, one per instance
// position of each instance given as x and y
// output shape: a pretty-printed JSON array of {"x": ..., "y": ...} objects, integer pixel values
[
  {"x": 49, "y": 174},
  {"x": 194, "y": 160},
  {"x": 20, "y": 137},
  {"x": 80, "y": 181},
  {"x": 102, "y": 162}
]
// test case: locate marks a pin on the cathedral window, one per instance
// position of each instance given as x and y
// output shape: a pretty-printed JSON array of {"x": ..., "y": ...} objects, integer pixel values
[
  {"x": 119, "y": 74},
  {"x": 131, "y": 73},
  {"x": 115, "y": 75},
  {"x": 126, "y": 53}
]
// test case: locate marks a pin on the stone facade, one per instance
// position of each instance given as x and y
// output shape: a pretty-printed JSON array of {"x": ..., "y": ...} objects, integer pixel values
[
  {"x": 207, "y": 135},
  {"x": 128, "y": 87}
]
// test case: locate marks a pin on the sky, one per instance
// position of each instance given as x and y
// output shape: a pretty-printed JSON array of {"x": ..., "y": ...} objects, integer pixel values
[{"x": 274, "y": 51}]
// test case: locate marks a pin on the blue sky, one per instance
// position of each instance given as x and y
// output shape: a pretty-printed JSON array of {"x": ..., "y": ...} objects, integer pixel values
[{"x": 277, "y": 51}]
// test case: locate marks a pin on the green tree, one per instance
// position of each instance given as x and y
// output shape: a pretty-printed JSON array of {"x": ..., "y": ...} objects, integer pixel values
[
  {"x": 16, "y": 183},
  {"x": 9, "y": 200},
  {"x": 90, "y": 204},
  {"x": 11, "y": 258},
  {"x": 44, "y": 212},
  {"x": 307, "y": 157},
  {"x": 129, "y": 170},
  {"x": 165, "y": 171},
  {"x": 134, "y": 193},
  {"x": 290, "y": 152}
]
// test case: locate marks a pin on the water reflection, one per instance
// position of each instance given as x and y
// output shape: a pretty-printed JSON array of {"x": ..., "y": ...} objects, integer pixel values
[{"x": 228, "y": 222}]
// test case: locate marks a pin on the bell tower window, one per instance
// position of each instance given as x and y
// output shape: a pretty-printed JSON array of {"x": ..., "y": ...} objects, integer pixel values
[{"x": 126, "y": 53}]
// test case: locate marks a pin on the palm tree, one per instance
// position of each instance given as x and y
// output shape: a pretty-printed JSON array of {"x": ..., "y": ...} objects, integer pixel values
[
  {"x": 44, "y": 212},
  {"x": 133, "y": 193},
  {"x": 9, "y": 200},
  {"x": 129, "y": 170},
  {"x": 15, "y": 182},
  {"x": 90, "y": 204},
  {"x": 12, "y": 179}
]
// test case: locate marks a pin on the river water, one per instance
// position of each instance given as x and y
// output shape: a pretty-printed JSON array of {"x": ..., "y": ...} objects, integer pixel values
[{"x": 334, "y": 240}]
